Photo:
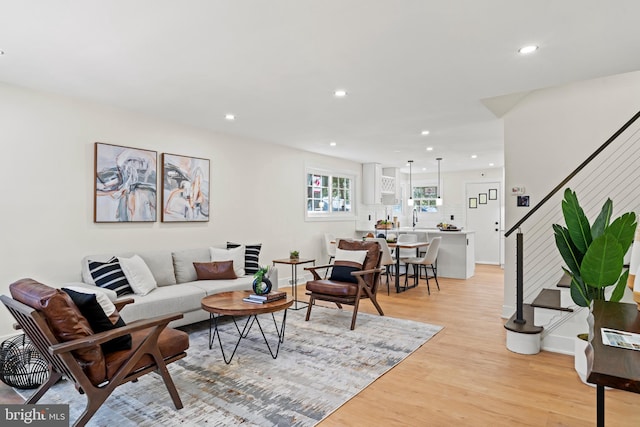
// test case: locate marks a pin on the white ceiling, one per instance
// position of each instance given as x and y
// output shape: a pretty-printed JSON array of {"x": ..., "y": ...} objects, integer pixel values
[{"x": 407, "y": 65}]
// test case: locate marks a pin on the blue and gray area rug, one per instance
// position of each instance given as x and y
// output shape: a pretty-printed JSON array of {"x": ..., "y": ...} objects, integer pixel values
[{"x": 321, "y": 365}]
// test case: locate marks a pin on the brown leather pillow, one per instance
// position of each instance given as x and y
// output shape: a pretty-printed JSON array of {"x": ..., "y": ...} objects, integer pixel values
[
  {"x": 65, "y": 320},
  {"x": 216, "y": 270}
]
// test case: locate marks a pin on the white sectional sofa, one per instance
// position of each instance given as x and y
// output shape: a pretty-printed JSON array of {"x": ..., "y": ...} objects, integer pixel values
[{"x": 178, "y": 289}]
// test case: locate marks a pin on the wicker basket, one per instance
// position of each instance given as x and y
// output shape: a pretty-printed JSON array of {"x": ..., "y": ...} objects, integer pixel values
[{"x": 21, "y": 364}]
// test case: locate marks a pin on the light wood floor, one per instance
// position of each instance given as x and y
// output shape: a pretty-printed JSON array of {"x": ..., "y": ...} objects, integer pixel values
[{"x": 465, "y": 376}]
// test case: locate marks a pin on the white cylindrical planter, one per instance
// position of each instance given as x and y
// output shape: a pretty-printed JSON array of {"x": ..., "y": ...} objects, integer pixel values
[{"x": 523, "y": 343}]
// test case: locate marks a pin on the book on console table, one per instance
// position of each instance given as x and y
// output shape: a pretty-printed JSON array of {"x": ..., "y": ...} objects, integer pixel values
[
  {"x": 271, "y": 296},
  {"x": 621, "y": 339}
]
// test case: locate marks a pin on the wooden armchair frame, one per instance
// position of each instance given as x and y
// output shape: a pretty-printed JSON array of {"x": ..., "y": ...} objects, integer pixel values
[
  {"x": 365, "y": 290},
  {"x": 63, "y": 363}
]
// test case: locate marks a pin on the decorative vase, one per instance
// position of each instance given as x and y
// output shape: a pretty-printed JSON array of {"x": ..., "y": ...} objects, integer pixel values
[
  {"x": 262, "y": 287},
  {"x": 580, "y": 358}
]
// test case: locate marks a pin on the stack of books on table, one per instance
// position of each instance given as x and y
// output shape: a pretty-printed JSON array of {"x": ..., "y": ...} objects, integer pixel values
[{"x": 261, "y": 299}]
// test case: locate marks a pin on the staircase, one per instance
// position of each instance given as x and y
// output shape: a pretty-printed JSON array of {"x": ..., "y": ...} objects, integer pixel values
[{"x": 546, "y": 317}]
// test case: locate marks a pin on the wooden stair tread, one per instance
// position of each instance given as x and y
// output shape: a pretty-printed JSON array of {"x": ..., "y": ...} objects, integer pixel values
[
  {"x": 549, "y": 298},
  {"x": 565, "y": 281},
  {"x": 526, "y": 328}
]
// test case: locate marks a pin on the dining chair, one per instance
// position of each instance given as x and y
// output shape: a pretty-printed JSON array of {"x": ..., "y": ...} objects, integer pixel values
[
  {"x": 386, "y": 261},
  {"x": 428, "y": 262},
  {"x": 330, "y": 245},
  {"x": 406, "y": 253}
]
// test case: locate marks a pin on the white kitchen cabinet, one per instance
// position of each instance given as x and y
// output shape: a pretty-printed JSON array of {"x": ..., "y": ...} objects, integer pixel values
[
  {"x": 376, "y": 187},
  {"x": 456, "y": 256},
  {"x": 390, "y": 186}
]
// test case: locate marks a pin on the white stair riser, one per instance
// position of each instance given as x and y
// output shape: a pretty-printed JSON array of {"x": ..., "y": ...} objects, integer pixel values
[
  {"x": 546, "y": 316},
  {"x": 523, "y": 343},
  {"x": 565, "y": 297}
]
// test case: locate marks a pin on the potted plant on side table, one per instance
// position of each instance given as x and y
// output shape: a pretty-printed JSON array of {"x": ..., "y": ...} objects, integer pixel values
[{"x": 594, "y": 257}]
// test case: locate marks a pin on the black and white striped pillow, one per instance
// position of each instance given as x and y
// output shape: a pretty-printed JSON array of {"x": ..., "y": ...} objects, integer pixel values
[
  {"x": 251, "y": 256},
  {"x": 109, "y": 275}
]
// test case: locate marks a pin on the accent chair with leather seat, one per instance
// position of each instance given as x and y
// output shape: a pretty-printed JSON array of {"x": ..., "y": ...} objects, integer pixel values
[
  {"x": 355, "y": 275},
  {"x": 99, "y": 362}
]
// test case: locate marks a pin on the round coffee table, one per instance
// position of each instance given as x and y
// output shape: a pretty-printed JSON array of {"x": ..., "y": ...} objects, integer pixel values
[{"x": 232, "y": 304}]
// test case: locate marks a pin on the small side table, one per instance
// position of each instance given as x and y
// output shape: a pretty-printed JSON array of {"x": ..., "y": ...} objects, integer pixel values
[{"x": 294, "y": 277}]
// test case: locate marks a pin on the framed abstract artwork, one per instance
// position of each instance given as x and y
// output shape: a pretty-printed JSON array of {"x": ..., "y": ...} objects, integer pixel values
[
  {"x": 185, "y": 188},
  {"x": 125, "y": 184}
]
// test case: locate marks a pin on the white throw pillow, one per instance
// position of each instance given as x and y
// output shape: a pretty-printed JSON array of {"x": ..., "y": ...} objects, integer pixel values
[
  {"x": 351, "y": 256},
  {"x": 235, "y": 254},
  {"x": 138, "y": 274},
  {"x": 101, "y": 297}
]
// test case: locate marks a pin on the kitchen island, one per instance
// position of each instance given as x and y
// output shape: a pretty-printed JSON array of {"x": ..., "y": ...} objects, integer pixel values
[{"x": 456, "y": 256}]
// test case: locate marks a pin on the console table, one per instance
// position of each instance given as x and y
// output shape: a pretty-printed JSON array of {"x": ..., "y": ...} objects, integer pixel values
[{"x": 611, "y": 366}]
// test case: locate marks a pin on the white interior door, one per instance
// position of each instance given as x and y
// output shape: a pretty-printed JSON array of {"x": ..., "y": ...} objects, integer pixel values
[{"x": 483, "y": 217}]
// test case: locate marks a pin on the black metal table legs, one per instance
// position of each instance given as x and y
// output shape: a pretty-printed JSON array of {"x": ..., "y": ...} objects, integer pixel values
[{"x": 251, "y": 320}]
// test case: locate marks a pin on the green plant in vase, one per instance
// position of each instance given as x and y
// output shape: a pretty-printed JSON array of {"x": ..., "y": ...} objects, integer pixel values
[
  {"x": 294, "y": 254},
  {"x": 594, "y": 253},
  {"x": 261, "y": 283}
]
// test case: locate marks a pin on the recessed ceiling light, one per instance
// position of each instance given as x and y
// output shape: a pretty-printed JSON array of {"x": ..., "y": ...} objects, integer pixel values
[
  {"x": 491, "y": 164},
  {"x": 424, "y": 169},
  {"x": 229, "y": 117},
  {"x": 474, "y": 156},
  {"x": 340, "y": 93},
  {"x": 429, "y": 148},
  {"x": 527, "y": 49},
  {"x": 333, "y": 143},
  {"x": 424, "y": 133}
]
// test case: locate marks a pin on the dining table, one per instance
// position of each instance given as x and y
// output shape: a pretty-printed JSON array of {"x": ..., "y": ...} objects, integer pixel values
[{"x": 408, "y": 245}]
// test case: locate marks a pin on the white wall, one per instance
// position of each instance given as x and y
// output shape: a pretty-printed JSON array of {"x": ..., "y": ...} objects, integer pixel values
[
  {"x": 549, "y": 133},
  {"x": 46, "y": 210},
  {"x": 453, "y": 193}
]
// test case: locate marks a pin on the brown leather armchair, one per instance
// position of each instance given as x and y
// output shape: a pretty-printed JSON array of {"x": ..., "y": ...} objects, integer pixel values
[
  {"x": 350, "y": 281},
  {"x": 63, "y": 336}
]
